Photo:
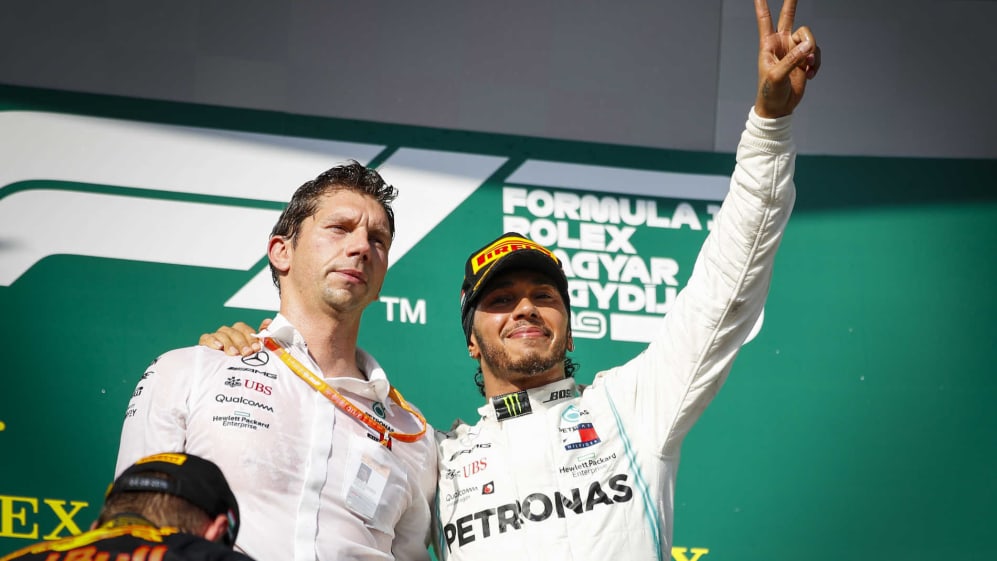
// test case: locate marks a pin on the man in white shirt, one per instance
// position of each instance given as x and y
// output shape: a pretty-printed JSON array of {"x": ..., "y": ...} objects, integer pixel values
[{"x": 326, "y": 458}]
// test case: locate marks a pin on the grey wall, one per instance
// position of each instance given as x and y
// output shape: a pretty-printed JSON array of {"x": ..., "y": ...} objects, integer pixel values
[{"x": 900, "y": 77}]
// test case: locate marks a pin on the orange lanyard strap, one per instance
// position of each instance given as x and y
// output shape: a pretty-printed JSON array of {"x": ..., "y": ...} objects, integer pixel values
[{"x": 320, "y": 385}]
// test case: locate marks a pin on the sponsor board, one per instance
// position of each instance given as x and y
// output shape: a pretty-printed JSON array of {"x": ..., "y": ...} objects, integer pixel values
[{"x": 127, "y": 229}]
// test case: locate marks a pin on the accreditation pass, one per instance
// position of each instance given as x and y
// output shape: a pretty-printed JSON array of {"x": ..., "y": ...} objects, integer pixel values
[{"x": 369, "y": 477}]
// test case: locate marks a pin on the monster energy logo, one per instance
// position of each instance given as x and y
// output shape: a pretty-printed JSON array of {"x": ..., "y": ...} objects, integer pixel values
[{"x": 511, "y": 405}]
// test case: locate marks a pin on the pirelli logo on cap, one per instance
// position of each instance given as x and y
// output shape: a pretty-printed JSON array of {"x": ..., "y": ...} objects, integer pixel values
[
  {"x": 177, "y": 459},
  {"x": 503, "y": 247}
]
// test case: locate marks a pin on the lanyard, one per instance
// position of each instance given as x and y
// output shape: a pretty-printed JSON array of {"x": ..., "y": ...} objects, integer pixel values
[{"x": 320, "y": 385}]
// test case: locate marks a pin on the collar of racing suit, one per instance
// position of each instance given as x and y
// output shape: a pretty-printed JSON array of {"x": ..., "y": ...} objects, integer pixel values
[{"x": 518, "y": 404}]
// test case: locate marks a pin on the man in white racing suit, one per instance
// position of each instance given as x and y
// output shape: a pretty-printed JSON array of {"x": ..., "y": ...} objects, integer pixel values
[{"x": 553, "y": 470}]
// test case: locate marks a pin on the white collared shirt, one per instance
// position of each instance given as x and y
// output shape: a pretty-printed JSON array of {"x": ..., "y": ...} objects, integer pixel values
[{"x": 311, "y": 482}]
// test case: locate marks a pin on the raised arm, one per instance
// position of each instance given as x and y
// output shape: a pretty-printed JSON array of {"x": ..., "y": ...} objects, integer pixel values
[{"x": 666, "y": 388}]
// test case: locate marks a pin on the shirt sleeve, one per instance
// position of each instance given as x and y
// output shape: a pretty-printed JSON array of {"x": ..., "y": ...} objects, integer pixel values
[
  {"x": 665, "y": 389},
  {"x": 156, "y": 417}
]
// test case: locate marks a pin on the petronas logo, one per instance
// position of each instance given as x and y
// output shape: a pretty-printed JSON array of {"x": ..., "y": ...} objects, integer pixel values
[
  {"x": 512, "y": 405},
  {"x": 378, "y": 408}
]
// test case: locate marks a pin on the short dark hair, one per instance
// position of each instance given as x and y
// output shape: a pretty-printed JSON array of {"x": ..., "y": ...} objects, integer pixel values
[
  {"x": 570, "y": 367},
  {"x": 351, "y": 176},
  {"x": 161, "y": 509}
]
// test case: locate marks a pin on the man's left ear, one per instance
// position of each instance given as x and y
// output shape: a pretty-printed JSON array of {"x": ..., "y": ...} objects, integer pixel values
[
  {"x": 215, "y": 531},
  {"x": 472, "y": 347},
  {"x": 279, "y": 252}
]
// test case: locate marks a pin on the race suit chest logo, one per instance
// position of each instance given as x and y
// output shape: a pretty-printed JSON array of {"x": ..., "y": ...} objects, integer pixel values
[
  {"x": 588, "y": 465},
  {"x": 581, "y": 435},
  {"x": 467, "y": 470},
  {"x": 479, "y": 446},
  {"x": 463, "y": 495},
  {"x": 575, "y": 434},
  {"x": 511, "y": 405},
  {"x": 536, "y": 507}
]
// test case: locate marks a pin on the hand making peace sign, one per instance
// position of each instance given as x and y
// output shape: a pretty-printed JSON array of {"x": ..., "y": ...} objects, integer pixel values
[{"x": 786, "y": 60}]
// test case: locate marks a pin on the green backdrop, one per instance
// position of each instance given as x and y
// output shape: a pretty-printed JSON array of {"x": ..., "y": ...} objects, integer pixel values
[{"x": 858, "y": 423}]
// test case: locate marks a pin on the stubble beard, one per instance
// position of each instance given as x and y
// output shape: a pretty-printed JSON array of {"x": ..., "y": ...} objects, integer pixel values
[
  {"x": 346, "y": 299},
  {"x": 342, "y": 301},
  {"x": 532, "y": 364}
]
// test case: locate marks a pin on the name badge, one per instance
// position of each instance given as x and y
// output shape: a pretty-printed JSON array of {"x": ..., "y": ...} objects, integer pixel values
[{"x": 367, "y": 478}]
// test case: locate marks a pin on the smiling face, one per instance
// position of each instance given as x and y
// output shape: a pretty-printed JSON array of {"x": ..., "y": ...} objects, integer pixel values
[
  {"x": 520, "y": 332},
  {"x": 337, "y": 260}
]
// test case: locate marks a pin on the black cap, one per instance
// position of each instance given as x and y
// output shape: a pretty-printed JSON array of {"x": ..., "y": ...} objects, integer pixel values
[
  {"x": 512, "y": 250},
  {"x": 195, "y": 479}
]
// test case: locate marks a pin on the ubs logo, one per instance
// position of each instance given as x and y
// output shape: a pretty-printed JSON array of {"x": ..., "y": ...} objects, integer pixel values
[
  {"x": 234, "y": 382},
  {"x": 258, "y": 386},
  {"x": 259, "y": 359},
  {"x": 473, "y": 468}
]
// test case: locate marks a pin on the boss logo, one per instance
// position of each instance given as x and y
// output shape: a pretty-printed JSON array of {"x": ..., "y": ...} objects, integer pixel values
[{"x": 559, "y": 394}]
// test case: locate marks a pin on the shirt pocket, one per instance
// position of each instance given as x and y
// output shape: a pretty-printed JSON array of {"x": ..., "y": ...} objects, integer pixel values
[{"x": 375, "y": 484}]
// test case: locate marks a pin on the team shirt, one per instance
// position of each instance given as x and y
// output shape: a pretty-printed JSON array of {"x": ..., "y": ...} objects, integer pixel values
[{"x": 313, "y": 483}]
